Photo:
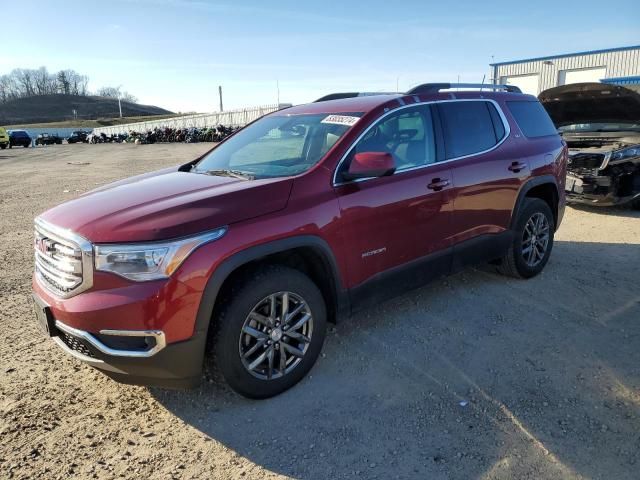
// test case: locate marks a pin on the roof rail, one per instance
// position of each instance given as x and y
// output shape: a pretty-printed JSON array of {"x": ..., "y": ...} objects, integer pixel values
[
  {"x": 337, "y": 96},
  {"x": 436, "y": 87}
]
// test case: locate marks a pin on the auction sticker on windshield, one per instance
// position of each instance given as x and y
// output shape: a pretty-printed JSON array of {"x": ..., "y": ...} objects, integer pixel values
[{"x": 341, "y": 120}]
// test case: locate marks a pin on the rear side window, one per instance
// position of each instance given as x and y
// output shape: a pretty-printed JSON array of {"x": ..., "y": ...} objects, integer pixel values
[
  {"x": 468, "y": 127},
  {"x": 532, "y": 119}
]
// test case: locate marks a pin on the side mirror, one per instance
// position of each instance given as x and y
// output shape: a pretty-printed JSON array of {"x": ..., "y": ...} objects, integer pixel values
[{"x": 370, "y": 164}]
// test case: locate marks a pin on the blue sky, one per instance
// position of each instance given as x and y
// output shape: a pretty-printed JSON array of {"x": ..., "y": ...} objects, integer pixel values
[{"x": 175, "y": 53}]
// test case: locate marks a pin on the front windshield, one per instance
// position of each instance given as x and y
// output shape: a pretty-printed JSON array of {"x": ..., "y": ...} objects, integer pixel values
[
  {"x": 600, "y": 127},
  {"x": 278, "y": 145}
]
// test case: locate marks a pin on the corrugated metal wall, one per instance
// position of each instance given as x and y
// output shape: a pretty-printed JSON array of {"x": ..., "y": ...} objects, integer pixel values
[
  {"x": 620, "y": 63},
  {"x": 236, "y": 118}
]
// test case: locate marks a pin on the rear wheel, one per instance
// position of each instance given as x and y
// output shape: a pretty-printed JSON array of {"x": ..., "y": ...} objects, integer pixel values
[
  {"x": 3, "y": 146},
  {"x": 270, "y": 332},
  {"x": 532, "y": 243}
]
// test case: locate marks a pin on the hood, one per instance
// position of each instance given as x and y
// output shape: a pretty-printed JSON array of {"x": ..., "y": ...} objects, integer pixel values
[
  {"x": 168, "y": 204},
  {"x": 591, "y": 103}
]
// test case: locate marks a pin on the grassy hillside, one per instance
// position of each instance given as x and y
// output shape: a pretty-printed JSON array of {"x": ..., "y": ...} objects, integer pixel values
[
  {"x": 100, "y": 122},
  {"x": 59, "y": 108}
]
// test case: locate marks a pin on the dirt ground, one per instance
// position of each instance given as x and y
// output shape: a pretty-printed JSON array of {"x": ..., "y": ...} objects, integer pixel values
[{"x": 473, "y": 376}]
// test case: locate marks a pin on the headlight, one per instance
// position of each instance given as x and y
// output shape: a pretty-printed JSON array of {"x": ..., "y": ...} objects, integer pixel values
[
  {"x": 149, "y": 261},
  {"x": 629, "y": 152}
]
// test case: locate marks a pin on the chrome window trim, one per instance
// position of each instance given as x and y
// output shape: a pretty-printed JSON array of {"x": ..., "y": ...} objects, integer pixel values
[
  {"x": 88, "y": 337},
  {"x": 64, "y": 236},
  {"x": 505, "y": 122}
]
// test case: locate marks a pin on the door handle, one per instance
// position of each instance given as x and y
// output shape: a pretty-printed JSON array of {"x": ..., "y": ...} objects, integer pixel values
[
  {"x": 515, "y": 167},
  {"x": 438, "y": 184}
]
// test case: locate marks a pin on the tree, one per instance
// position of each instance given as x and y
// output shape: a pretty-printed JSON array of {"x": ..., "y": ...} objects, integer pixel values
[
  {"x": 115, "y": 92},
  {"x": 43, "y": 83},
  {"x": 24, "y": 82},
  {"x": 24, "y": 78},
  {"x": 64, "y": 84}
]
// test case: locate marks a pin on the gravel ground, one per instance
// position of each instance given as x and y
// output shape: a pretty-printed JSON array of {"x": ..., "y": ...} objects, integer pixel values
[{"x": 473, "y": 376}]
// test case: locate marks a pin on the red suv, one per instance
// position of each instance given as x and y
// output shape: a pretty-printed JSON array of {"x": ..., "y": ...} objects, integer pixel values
[{"x": 300, "y": 218}]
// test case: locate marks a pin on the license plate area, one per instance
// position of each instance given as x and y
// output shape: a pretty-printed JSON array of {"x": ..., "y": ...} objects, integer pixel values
[{"x": 44, "y": 318}]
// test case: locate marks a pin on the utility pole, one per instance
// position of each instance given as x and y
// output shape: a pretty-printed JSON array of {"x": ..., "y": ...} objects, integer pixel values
[
  {"x": 119, "y": 103},
  {"x": 220, "y": 94},
  {"x": 278, "y": 92}
]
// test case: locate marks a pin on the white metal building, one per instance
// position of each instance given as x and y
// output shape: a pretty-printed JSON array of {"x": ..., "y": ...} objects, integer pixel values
[{"x": 620, "y": 66}]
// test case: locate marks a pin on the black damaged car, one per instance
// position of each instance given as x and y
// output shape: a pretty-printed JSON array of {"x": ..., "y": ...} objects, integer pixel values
[{"x": 601, "y": 125}]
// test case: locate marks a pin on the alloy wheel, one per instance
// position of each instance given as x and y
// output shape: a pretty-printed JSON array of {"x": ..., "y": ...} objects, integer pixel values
[
  {"x": 276, "y": 335},
  {"x": 535, "y": 239}
]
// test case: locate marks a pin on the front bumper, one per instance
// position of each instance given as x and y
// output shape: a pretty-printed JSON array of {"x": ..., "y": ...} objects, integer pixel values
[
  {"x": 138, "y": 333},
  {"x": 594, "y": 190},
  {"x": 177, "y": 365}
]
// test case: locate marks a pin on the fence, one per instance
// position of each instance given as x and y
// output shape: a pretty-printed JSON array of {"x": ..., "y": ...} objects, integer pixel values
[{"x": 201, "y": 120}]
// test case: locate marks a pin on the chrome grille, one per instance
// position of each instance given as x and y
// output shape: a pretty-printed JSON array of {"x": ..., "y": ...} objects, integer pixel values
[{"x": 63, "y": 260}]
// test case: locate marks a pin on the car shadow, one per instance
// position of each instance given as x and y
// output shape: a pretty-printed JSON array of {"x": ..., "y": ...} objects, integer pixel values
[{"x": 473, "y": 376}]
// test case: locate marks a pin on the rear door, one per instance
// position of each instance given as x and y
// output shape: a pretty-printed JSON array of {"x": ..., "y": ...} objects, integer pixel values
[
  {"x": 487, "y": 171},
  {"x": 389, "y": 222}
]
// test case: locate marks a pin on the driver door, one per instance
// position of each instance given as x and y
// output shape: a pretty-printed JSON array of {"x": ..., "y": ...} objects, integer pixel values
[{"x": 397, "y": 228}]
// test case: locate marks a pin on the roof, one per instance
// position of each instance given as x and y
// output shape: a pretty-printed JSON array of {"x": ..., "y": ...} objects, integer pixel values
[
  {"x": 552, "y": 57},
  {"x": 343, "y": 105},
  {"x": 366, "y": 104}
]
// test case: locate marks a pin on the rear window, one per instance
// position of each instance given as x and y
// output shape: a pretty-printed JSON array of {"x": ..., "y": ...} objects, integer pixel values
[
  {"x": 532, "y": 119},
  {"x": 469, "y": 128},
  {"x": 18, "y": 133}
]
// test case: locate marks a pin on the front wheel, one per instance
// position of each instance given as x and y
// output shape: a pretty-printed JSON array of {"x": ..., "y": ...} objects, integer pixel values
[
  {"x": 3, "y": 146},
  {"x": 270, "y": 331},
  {"x": 533, "y": 241}
]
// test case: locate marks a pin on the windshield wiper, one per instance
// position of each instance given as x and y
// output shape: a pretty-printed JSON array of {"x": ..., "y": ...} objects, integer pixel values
[{"x": 230, "y": 173}]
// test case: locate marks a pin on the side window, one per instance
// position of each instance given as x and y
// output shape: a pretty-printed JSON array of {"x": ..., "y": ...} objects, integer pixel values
[
  {"x": 407, "y": 134},
  {"x": 532, "y": 119},
  {"x": 468, "y": 127}
]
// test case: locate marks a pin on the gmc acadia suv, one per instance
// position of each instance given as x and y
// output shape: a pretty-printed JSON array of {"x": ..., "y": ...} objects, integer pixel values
[{"x": 299, "y": 218}]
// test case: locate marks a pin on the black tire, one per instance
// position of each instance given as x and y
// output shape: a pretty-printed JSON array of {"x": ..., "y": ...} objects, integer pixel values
[
  {"x": 246, "y": 294},
  {"x": 26, "y": 146},
  {"x": 514, "y": 264},
  {"x": 3, "y": 146}
]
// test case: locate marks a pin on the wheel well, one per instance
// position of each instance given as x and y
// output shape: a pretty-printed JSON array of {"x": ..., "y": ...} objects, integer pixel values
[
  {"x": 308, "y": 260},
  {"x": 549, "y": 193}
]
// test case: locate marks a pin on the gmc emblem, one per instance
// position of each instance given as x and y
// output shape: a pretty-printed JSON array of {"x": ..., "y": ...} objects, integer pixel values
[{"x": 43, "y": 245}]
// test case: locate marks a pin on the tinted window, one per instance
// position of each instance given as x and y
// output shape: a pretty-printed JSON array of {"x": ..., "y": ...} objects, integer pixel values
[
  {"x": 407, "y": 135},
  {"x": 468, "y": 128},
  {"x": 532, "y": 119}
]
